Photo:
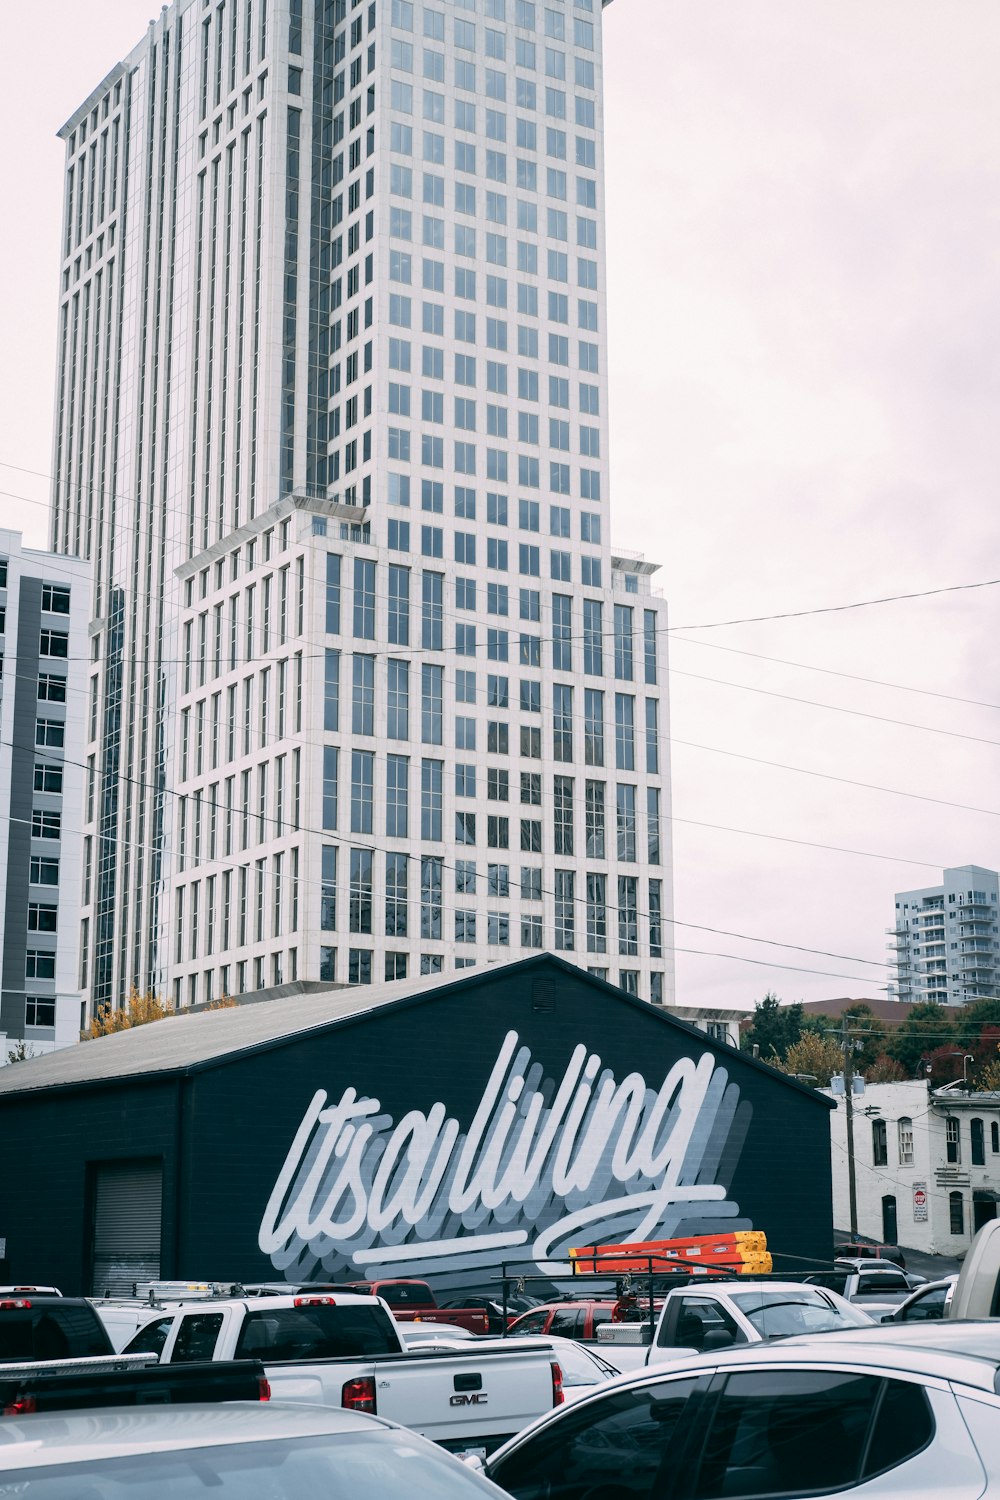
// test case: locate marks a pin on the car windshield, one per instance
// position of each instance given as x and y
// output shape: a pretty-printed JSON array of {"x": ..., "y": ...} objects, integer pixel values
[
  {"x": 338, "y": 1467},
  {"x": 782, "y": 1314}
]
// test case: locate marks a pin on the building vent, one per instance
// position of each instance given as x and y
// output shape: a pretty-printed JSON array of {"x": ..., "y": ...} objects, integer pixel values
[{"x": 543, "y": 995}]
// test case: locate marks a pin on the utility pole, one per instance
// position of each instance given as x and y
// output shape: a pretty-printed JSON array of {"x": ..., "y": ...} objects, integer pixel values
[{"x": 852, "y": 1187}]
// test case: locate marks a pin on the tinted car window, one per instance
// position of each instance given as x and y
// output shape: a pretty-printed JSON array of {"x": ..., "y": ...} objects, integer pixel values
[
  {"x": 151, "y": 1339},
  {"x": 787, "y": 1432},
  {"x": 903, "y": 1426},
  {"x": 600, "y": 1315},
  {"x": 929, "y": 1305},
  {"x": 617, "y": 1444},
  {"x": 323, "y": 1332},
  {"x": 533, "y": 1322},
  {"x": 696, "y": 1319},
  {"x": 196, "y": 1338},
  {"x": 882, "y": 1281},
  {"x": 836, "y": 1281},
  {"x": 567, "y": 1322},
  {"x": 54, "y": 1330},
  {"x": 407, "y": 1294}
]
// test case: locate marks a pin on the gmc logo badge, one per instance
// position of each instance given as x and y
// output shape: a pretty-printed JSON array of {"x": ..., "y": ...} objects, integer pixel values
[{"x": 470, "y": 1398}]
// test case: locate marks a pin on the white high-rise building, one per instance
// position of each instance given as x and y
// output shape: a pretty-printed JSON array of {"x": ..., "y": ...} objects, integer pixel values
[
  {"x": 946, "y": 941},
  {"x": 372, "y": 692},
  {"x": 44, "y": 608}
]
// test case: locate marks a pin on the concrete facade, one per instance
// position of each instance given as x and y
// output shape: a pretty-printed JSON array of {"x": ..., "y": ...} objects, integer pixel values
[
  {"x": 44, "y": 608},
  {"x": 376, "y": 695},
  {"x": 926, "y": 1160},
  {"x": 946, "y": 939}
]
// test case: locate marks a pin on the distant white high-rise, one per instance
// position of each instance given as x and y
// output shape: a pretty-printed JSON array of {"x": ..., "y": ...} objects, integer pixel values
[
  {"x": 946, "y": 939},
  {"x": 372, "y": 693},
  {"x": 44, "y": 608}
]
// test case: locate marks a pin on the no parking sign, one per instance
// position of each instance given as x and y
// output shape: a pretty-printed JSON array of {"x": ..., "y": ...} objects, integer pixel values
[{"x": 919, "y": 1201}]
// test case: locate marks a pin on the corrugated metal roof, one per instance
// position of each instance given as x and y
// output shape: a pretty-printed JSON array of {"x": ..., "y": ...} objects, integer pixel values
[{"x": 187, "y": 1040}]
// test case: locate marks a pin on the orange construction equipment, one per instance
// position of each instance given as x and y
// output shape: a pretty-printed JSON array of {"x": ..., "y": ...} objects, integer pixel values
[{"x": 743, "y": 1250}]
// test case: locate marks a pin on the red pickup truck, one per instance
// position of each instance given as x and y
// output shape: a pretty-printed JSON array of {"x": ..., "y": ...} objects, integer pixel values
[{"x": 414, "y": 1302}]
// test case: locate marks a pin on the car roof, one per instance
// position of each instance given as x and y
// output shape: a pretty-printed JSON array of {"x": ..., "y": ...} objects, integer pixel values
[
  {"x": 867, "y": 1263},
  {"x": 128, "y": 1431},
  {"x": 275, "y": 1304},
  {"x": 964, "y": 1351}
]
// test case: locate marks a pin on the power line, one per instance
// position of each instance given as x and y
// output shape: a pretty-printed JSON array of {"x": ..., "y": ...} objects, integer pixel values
[
  {"x": 781, "y": 661},
  {"x": 856, "y": 713},
  {"x": 832, "y": 609},
  {"x": 829, "y": 776},
  {"x": 331, "y": 837},
  {"x": 805, "y": 843}
]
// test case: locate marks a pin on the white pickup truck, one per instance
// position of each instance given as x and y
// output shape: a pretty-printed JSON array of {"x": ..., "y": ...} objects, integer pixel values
[
  {"x": 702, "y": 1318},
  {"x": 344, "y": 1349}
]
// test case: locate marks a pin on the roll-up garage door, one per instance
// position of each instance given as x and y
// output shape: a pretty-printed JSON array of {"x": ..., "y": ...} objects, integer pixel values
[{"x": 127, "y": 1209}]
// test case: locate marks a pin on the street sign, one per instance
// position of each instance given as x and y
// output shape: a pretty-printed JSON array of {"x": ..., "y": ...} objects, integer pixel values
[{"x": 919, "y": 1202}]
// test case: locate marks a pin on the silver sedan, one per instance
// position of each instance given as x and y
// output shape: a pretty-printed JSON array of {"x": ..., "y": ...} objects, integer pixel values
[
  {"x": 234, "y": 1451},
  {"x": 883, "y": 1411}
]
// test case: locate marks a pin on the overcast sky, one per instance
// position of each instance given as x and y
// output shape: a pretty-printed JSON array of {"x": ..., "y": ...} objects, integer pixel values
[{"x": 805, "y": 326}]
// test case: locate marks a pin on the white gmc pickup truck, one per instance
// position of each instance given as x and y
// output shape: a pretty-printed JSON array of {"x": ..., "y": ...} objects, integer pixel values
[{"x": 344, "y": 1349}]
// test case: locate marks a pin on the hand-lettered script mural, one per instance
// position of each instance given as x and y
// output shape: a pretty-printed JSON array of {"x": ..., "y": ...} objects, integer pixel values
[{"x": 543, "y": 1164}]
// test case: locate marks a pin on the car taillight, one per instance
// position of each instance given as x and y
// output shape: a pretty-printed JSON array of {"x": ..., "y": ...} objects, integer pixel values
[
  {"x": 11, "y": 1304},
  {"x": 359, "y": 1395},
  {"x": 557, "y": 1385},
  {"x": 315, "y": 1302},
  {"x": 21, "y": 1408},
  {"x": 264, "y": 1388}
]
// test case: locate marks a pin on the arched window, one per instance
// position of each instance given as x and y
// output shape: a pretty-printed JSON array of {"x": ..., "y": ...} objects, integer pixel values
[
  {"x": 956, "y": 1213},
  {"x": 905, "y": 1128},
  {"x": 978, "y": 1134},
  {"x": 880, "y": 1144},
  {"x": 953, "y": 1141}
]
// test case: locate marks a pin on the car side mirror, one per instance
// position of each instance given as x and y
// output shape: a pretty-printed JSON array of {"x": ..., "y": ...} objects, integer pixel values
[{"x": 716, "y": 1338}]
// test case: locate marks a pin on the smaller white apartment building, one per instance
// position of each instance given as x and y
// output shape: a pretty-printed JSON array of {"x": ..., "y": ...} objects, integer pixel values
[
  {"x": 44, "y": 608},
  {"x": 927, "y": 1165},
  {"x": 946, "y": 939}
]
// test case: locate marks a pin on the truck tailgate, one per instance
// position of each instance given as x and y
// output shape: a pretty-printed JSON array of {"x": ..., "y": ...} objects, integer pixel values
[{"x": 468, "y": 1399}]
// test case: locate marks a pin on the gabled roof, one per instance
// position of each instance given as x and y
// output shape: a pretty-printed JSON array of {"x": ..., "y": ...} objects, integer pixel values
[{"x": 189, "y": 1042}]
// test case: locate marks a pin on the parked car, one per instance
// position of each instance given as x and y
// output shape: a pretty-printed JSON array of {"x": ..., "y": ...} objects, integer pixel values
[
  {"x": 927, "y": 1302},
  {"x": 413, "y": 1301},
  {"x": 876, "y": 1285},
  {"x": 241, "y": 1451},
  {"x": 903, "y": 1412},
  {"x": 517, "y": 1303},
  {"x": 438, "y": 1336},
  {"x": 859, "y": 1250},
  {"x": 570, "y": 1320},
  {"x": 705, "y": 1316}
]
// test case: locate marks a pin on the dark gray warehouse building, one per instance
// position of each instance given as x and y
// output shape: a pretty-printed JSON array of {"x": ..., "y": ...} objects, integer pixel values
[{"x": 422, "y": 1128}]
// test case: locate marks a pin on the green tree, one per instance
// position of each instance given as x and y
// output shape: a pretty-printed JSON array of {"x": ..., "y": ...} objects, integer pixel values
[
  {"x": 927, "y": 1027},
  {"x": 817, "y": 1055},
  {"x": 774, "y": 1028},
  {"x": 866, "y": 1029}
]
